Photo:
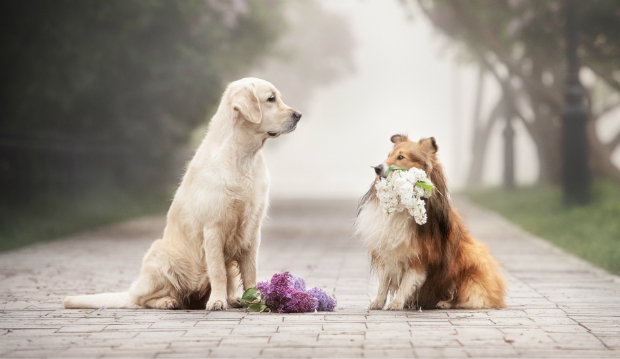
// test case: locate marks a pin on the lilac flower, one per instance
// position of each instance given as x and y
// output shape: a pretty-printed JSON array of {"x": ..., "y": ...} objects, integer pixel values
[
  {"x": 285, "y": 293},
  {"x": 298, "y": 283},
  {"x": 300, "y": 302},
  {"x": 263, "y": 288},
  {"x": 325, "y": 302},
  {"x": 277, "y": 291}
]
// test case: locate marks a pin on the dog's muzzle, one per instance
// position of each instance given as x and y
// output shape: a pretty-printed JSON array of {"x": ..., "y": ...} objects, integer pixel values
[
  {"x": 291, "y": 126},
  {"x": 297, "y": 116},
  {"x": 380, "y": 170}
]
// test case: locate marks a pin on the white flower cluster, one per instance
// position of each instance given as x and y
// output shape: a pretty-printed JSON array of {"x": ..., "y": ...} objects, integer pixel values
[{"x": 398, "y": 192}]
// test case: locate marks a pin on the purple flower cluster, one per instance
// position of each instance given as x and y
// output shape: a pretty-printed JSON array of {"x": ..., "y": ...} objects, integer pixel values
[
  {"x": 285, "y": 293},
  {"x": 325, "y": 303}
]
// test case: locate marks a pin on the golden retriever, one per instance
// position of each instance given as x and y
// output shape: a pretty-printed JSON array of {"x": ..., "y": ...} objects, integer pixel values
[
  {"x": 434, "y": 265},
  {"x": 213, "y": 226}
]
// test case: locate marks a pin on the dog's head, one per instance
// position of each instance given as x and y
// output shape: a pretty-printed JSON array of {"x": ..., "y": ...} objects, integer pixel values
[
  {"x": 406, "y": 153},
  {"x": 423, "y": 155},
  {"x": 258, "y": 105}
]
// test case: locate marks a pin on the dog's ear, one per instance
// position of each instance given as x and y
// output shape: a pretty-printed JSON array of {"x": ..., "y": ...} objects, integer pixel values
[
  {"x": 246, "y": 104},
  {"x": 398, "y": 138},
  {"x": 429, "y": 144}
]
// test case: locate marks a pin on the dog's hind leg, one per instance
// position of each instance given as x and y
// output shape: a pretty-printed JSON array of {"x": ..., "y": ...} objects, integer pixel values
[
  {"x": 410, "y": 283},
  {"x": 153, "y": 290},
  {"x": 473, "y": 295},
  {"x": 162, "y": 303},
  {"x": 449, "y": 302}
]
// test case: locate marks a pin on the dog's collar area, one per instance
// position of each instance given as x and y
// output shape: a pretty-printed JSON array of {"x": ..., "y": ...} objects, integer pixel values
[{"x": 272, "y": 133}]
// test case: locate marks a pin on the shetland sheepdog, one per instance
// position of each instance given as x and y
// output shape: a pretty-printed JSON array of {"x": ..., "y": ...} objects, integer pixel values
[{"x": 434, "y": 265}]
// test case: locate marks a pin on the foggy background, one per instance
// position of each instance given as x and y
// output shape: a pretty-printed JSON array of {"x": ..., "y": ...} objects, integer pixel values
[
  {"x": 104, "y": 102},
  {"x": 407, "y": 79}
]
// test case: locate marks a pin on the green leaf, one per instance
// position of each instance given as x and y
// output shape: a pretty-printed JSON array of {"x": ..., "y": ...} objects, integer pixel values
[
  {"x": 394, "y": 168},
  {"x": 250, "y": 294},
  {"x": 427, "y": 185},
  {"x": 257, "y": 307},
  {"x": 249, "y": 301}
]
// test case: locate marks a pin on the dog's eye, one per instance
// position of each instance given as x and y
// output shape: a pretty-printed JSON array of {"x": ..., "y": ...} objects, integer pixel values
[
  {"x": 272, "y": 98},
  {"x": 400, "y": 157}
]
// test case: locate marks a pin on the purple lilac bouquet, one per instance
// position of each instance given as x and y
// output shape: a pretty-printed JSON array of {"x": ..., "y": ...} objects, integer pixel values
[{"x": 285, "y": 293}]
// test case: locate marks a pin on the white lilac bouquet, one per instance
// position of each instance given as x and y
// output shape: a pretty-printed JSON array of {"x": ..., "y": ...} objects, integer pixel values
[{"x": 404, "y": 189}]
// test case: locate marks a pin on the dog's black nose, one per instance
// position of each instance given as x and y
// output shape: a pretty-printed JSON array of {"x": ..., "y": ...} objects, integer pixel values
[
  {"x": 378, "y": 169},
  {"x": 297, "y": 115}
]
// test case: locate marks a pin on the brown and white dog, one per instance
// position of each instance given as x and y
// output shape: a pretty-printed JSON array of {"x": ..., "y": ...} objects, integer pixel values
[
  {"x": 434, "y": 265},
  {"x": 213, "y": 226}
]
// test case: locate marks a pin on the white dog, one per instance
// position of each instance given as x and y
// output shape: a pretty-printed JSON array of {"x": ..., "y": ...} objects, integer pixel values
[{"x": 214, "y": 222}]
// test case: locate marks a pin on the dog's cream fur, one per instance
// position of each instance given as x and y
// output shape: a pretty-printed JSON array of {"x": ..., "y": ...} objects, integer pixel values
[{"x": 214, "y": 222}]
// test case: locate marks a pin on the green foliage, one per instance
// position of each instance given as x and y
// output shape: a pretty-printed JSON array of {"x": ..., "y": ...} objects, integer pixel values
[
  {"x": 46, "y": 217},
  {"x": 522, "y": 43},
  {"x": 395, "y": 168},
  {"x": 531, "y": 30},
  {"x": 252, "y": 302},
  {"x": 591, "y": 232},
  {"x": 120, "y": 80},
  {"x": 126, "y": 68}
]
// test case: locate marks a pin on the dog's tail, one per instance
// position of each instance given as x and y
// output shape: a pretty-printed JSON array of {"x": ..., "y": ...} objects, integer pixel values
[{"x": 120, "y": 300}]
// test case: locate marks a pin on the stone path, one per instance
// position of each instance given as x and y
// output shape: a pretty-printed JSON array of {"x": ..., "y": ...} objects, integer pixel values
[{"x": 559, "y": 306}]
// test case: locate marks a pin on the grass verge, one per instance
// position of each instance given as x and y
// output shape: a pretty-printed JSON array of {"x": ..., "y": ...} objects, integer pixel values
[
  {"x": 49, "y": 217},
  {"x": 591, "y": 232}
]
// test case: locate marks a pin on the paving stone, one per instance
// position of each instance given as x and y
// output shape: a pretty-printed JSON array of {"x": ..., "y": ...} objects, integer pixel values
[
  {"x": 236, "y": 353},
  {"x": 288, "y": 353},
  {"x": 112, "y": 335},
  {"x": 244, "y": 341},
  {"x": 260, "y": 330},
  {"x": 81, "y": 329},
  {"x": 187, "y": 343},
  {"x": 127, "y": 327},
  {"x": 207, "y": 332},
  {"x": 490, "y": 352},
  {"x": 160, "y": 335},
  {"x": 440, "y": 353},
  {"x": 559, "y": 305},
  {"x": 171, "y": 324},
  {"x": 45, "y": 353}
]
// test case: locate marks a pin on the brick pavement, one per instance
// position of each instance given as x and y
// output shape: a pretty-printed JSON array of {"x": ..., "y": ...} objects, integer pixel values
[{"x": 559, "y": 306}]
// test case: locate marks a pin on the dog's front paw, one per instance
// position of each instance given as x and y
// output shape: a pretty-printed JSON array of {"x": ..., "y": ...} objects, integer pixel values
[
  {"x": 216, "y": 305},
  {"x": 376, "y": 305},
  {"x": 234, "y": 302},
  {"x": 443, "y": 305},
  {"x": 396, "y": 305}
]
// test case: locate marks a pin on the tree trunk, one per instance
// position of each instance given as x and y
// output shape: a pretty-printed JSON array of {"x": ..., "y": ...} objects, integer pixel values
[
  {"x": 480, "y": 142},
  {"x": 476, "y": 121},
  {"x": 600, "y": 155}
]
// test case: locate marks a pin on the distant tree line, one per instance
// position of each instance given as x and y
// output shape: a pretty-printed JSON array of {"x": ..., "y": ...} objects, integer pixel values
[
  {"x": 521, "y": 43},
  {"x": 105, "y": 91}
]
